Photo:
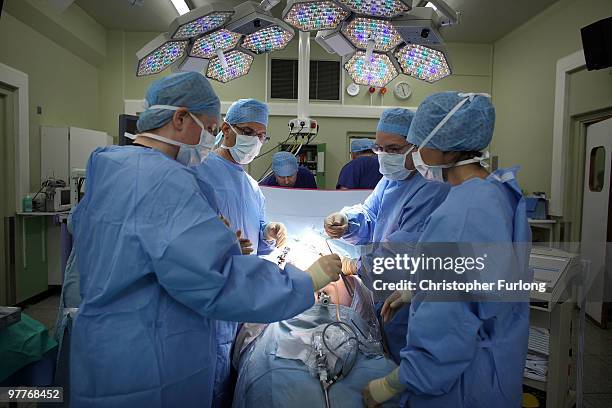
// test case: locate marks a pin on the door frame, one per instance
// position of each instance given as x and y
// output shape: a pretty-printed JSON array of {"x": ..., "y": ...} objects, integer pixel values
[{"x": 18, "y": 82}]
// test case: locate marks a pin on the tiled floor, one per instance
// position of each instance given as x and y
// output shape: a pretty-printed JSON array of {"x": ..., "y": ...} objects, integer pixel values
[{"x": 597, "y": 362}]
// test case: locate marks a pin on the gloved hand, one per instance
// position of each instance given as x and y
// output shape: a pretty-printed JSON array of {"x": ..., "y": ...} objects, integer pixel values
[
  {"x": 349, "y": 266},
  {"x": 324, "y": 270},
  {"x": 336, "y": 225},
  {"x": 382, "y": 389},
  {"x": 276, "y": 231},
  {"x": 395, "y": 302},
  {"x": 246, "y": 247}
]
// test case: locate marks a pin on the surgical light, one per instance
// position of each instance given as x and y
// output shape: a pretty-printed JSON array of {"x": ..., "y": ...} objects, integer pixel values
[
  {"x": 314, "y": 15},
  {"x": 377, "y": 8},
  {"x": 200, "y": 21},
  {"x": 361, "y": 30},
  {"x": 226, "y": 67},
  {"x": 377, "y": 70},
  {"x": 271, "y": 38},
  {"x": 180, "y": 6},
  {"x": 159, "y": 54},
  {"x": 206, "y": 46},
  {"x": 422, "y": 62}
]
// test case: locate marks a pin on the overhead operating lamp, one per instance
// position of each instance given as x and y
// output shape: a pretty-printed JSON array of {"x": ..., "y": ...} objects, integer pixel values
[
  {"x": 313, "y": 15},
  {"x": 226, "y": 67},
  {"x": 362, "y": 30},
  {"x": 200, "y": 21},
  {"x": 377, "y": 8},
  {"x": 272, "y": 38},
  {"x": 207, "y": 45},
  {"x": 423, "y": 62},
  {"x": 263, "y": 32},
  {"x": 371, "y": 70},
  {"x": 159, "y": 54}
]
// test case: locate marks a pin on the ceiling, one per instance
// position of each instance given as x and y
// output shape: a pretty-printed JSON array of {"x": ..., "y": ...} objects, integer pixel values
[{"x": 482, "y": 21}]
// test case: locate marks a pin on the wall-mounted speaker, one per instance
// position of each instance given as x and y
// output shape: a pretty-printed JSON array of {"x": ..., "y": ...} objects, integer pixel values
[{"x": 597, "y": 44}]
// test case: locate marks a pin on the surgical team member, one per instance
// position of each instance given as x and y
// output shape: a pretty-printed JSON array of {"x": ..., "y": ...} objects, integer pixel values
[
  {"x": 287, "y": 173},
  {"x": 157, "y": 265},
  {"x": 397, "y": 208},
  {"x": 362, "y": 170},
  {"x": 239, "y": 197},
  {"x": 464, "y": 353}
]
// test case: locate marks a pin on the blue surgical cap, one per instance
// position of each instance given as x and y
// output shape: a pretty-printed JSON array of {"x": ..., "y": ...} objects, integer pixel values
[
  {"x": 190, "y": 90},
  {"x": 396, "y": 121},
  {"x": 470, "y": 128},
  {"x": 247, "y": 110},
  {"x": 361, "y": 145},
  {"x": 284, "y": 164}
]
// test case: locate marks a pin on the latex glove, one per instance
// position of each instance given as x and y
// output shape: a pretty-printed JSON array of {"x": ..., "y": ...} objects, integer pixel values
[
  {"x": 276, "y": 231},
  {"x": 395, "y": 302},
  {"x": 382, "y": 389},
  {"x": 349, "y": 266},
  {"x": 336, "y": 225},
  {"x": 246, "y": 247},
  {"x": 325, "y": 270}
]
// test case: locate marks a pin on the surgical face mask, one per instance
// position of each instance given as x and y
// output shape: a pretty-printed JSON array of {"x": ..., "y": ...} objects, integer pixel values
[
  {"x": 193, "y": 155},
  {"x": 245, "y": 149},
  {"x": 432, "y": 173},
  {"x": 393, "y": 165}
]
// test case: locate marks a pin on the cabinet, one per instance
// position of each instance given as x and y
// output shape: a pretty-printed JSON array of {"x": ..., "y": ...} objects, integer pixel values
[{"x": 31, "y": 276}]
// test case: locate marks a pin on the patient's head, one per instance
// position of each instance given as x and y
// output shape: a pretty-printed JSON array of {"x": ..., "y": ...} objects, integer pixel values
[{"x": 337, "y": 292}]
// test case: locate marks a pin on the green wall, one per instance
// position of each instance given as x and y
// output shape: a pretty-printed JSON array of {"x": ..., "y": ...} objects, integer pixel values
[
  {"x": 524, "y": 86},
  {"x": 62, "y": 84}
]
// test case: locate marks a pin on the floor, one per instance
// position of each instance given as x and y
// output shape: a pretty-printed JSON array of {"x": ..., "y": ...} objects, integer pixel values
[{"x": 597, "y": 361}]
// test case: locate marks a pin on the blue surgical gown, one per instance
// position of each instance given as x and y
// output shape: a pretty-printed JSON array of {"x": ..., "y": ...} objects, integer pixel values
[
  {"x": 462, "y": 353},
  {"x": 157, "y": 267},
  {"x": 305, "y": 179},
  {"x": 239, "y": 198},
  {"x": 396, "y": 211},
  {"x": 362, "y": 172}
]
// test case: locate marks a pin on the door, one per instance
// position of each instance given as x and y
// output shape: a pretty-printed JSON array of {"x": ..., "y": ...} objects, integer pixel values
[{"x": 595, "y": 213}]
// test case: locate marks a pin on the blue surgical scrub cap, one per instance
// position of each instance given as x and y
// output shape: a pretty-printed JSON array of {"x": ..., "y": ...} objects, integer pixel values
[
  {"x": 361, "y": 145},
  {"x": 396, "y": 121},
  {"x": 247, "y": 110},
  {"x": 284, "y": 164},
  {"x": 190, "y": 90},
  {"x": 470, "y": 128}
]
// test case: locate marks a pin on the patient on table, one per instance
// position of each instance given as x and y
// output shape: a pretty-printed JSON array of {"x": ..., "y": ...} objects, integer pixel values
[{"x": 323, "y": 357}]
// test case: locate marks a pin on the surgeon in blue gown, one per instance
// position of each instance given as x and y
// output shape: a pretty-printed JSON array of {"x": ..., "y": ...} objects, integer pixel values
[
  {"x": 362, "y": 171},
  {"x": 395, "y": 211},
  {"x": 157, "y": 265},
  {"x": 287, "y": 174},
  {"x": 464, "y": 352},
  {"x": 242, "y": 204}
]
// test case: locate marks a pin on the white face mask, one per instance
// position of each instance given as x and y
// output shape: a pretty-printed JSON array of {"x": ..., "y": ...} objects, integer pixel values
[
  {"x": 432, "y": 173},
  {"x": 245, "y": 149},
  {"x": 193, "y": 155},
  {"x": 393, "y": 165}
]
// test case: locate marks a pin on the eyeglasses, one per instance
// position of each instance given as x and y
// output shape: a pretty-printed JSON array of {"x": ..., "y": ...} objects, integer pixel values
[
  {"x": 392, "y": 148},
  {"x": 247, "y": 131}
]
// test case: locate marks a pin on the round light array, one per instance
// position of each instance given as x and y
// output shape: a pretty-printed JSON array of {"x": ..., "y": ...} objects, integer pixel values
[
  {"x": 378, "y": 71},
  {"x": 206, "y": 46},
  {"x": 202, "y": 25},
  {"x": 361, "y": 30},
  {"x": 315, "y": 15},
  {"x": 423, "y": 63},
  {"x": 272, "y": 38},
  {"x": 161, "y": 58},
  {"x": 238, "y": 64},
  {"x": 376, "y": 8}
]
